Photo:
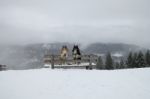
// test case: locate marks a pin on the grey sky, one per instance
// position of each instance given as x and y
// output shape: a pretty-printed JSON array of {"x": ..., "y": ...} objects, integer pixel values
[{"x": 84, "y": 21}]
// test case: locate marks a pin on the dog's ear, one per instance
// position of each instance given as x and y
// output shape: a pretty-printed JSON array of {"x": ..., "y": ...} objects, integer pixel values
[{"x": 77, "y": 47}]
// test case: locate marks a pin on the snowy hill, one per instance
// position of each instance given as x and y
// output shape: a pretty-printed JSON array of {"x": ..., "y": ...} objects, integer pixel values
[
  {"x": 75, "y": 84},
  {"x": 112, "y": 47}
]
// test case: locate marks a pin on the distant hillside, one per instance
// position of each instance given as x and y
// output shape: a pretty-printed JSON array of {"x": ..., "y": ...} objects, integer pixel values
[
  {"x": 102, "y": 48},
  {"x": 28, "y": 56},
  {"x": 31, "y": 56}
]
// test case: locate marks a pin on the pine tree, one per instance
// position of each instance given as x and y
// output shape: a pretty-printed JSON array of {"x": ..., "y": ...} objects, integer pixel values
[
  {"x": 99, "y": 64},
  {"x": 129, "y": 61},
  {"x": 147, "y": 58},
  {"x": 135, "y": 60},
  {"x": 109, "y": 61},
  {"x": 122, "y": 64},
  {"x": 117, "y": 65},
  {"x": 140, "y": 60}
]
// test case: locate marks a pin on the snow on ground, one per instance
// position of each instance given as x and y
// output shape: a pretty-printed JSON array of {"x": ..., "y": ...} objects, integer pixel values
[
  {"x": 75, "y": 84},
  {"x": 81, "y": 64}
]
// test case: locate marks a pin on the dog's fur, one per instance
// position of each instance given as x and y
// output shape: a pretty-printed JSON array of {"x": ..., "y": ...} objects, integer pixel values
[
  {"x": 76, "y": 54},
  {"x": 64, "y": 54}
]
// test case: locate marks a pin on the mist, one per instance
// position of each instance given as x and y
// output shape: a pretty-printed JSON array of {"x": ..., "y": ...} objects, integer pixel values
[{"x": 75, "y": 21}]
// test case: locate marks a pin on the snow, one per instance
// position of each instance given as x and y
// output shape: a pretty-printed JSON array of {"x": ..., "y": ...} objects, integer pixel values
[
  {"x": 117, "y": 55},
  {"x": 75, "y": 84},
  {"x": 81, "y": 64}
]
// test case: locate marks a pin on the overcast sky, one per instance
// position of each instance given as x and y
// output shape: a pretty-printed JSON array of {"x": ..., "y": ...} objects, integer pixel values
[{"x": 77, "y": 21}]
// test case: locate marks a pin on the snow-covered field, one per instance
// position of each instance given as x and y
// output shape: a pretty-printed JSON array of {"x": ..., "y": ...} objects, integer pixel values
[{"x": 75, "y": 84}]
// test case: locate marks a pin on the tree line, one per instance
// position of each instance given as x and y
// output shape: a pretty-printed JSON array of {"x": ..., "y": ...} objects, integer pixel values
[{"x": 133, "y": 60}]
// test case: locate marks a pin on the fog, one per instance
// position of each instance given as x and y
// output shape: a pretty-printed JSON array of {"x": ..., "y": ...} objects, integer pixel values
[{"x": 75, "y": 21}]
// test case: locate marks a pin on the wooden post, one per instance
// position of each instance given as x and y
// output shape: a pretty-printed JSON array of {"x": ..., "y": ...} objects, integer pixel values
[
  {"x": 90, "y": 62},
  {"x": 52, "y": 62}
]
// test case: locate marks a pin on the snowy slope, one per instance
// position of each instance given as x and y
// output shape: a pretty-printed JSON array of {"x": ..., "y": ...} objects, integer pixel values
[{"x": 75, "y": 84}]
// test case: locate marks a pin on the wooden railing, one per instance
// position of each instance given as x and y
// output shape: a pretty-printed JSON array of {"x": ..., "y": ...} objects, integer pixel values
[{"x": 55, "y": 60}]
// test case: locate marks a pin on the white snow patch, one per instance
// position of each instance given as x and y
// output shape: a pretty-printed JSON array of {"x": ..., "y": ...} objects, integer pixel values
[
  {"x": 75, "y": 84},
  {"x": 81, "y": 64},
  {"x": 117, "y": 55}
]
